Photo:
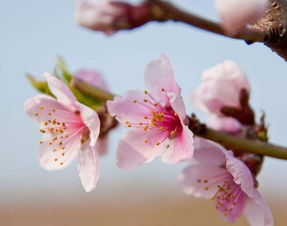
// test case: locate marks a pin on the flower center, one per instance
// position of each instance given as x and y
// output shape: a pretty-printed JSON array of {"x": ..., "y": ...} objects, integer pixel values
[
  {"x": 60, "y": 130},
  {"x": 159, "y": 117}
]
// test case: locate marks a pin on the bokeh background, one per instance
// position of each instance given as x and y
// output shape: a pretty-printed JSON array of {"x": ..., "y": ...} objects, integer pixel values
[{"x": 34, "y": 32}]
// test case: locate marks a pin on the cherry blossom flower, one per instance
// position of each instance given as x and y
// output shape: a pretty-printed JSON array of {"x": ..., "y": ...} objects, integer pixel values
[
  {"x": 216, "y": 174},
  {"x": 70, "y": 130},
  {"x": 221, "y": 87},
  {"x": 236, "y": 14},
  {"x": 156, "y": 119}
]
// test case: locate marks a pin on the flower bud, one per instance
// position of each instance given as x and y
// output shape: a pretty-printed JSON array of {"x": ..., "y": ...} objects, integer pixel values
[{"x": 236, "y": 14}]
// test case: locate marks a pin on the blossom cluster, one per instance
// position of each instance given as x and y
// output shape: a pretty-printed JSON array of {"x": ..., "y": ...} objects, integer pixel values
[{"x": 157, "y": 125}]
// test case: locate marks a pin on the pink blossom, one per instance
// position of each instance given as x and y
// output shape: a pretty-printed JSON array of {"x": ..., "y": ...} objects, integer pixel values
[
  {"x": 93, "y": 77},
  {"x": 236, "y": 14},
  {"x": 221, "y": 86},
  {"x": 98, "y": 15},
  {"x": 216, "y": 174},
  {"x": 156, "y": 119},
  {"x": 70, "y": 130}
]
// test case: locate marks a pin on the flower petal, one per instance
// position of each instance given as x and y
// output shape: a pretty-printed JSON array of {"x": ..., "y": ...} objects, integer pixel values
[
  {"x": 178, "y": 106},
  {"x": 240, "y": 172},
  {"x": 159, "y": 76},
  {"x": 54, "y": 158},
  {"x": 208, "y": 153},
  {"x": 63, "y": 94},
  {"x": 224, "y": 124},
  {"x": 92, "y": 121},
  {"x": 92, "y": 77},
  {"x": 88, "y": 167},
  {"x": 236, "y": 14},
  {"x": 39, "y": 107},
  {"x": 257, "y": 211},
  {"x": 130, "y": 107},
  {"x": 134, "y": 151},
  {"x": 202, "y": 180},
  {"x": 180, "y": 148}
]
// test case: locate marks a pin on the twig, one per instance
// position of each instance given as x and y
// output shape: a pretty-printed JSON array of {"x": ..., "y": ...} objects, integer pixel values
[{"x": 173, "y": 13}]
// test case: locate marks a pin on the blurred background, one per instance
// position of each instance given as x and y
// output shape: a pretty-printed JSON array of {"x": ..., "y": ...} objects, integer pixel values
[{"x": 34, "y": 32}]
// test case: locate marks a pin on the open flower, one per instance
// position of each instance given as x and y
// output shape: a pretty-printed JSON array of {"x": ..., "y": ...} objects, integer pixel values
[
  {"x": 236, "y": 14},
  {"x": 70, "y": 130},
  {"x": 156, "y": 119},
  {"x": 216, "y": 174},
  {"x": 221, "y": 87}
]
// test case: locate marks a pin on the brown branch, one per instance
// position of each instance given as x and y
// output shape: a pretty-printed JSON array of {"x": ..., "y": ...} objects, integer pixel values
[{"x": 173, "y": 13}]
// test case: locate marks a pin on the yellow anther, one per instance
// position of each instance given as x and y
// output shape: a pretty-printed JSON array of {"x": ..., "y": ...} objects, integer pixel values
[
  {"x": 145, "y": 128},
  {"x": 41, "y": 142},
  {"x": 41, "y": 107},
  {"x": 162, "y": 89},
  {"x": 135, "y": 101},
  {"x": 206, "y": 188},
  {"x": 127, "y": 122},
  {"x": 36, "y": 114},
  {"x": 61, "y": 163},
  {"x": 129, "y": 125},
  {"x": 145, "y": 141},
  {"x": 145, "y": 117},
  {"x": 145, "y": 100},
  {"x": 63, "y": 153},
  {"x": 145, "y": 92},
  {"x": 158, "y": 143},
  {"x": 49, "y": 113},
  {"x": 55, "y": 159},
  {"x": 42, "y": 131},
  {"x": 54, "y": 150},
  {"x": 53, "y": 110}
]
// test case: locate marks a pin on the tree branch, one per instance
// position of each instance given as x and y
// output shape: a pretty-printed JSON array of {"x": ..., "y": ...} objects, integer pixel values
[
  {"x": 231, "y": 142},
  {"x": 173, "y": 13}
]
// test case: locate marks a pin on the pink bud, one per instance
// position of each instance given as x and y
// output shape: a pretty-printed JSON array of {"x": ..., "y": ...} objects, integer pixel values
[
  {"x": 98, "y": 15},
  {"x": 220, "y": 87},
  {"x": 236, "y": 14},
  {"x": 111, "y": 16},
  {"x": 92, "y": 77}
]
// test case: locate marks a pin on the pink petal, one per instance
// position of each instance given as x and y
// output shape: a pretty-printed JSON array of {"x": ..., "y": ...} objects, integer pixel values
[
  {"x": 98, "y": 15},
  {"x": 39, "y": 107},
  {"x": 202, "y": 180},
  {"x": 236, "y": 14},
  {"x": 180, "y": 148},
  {"x": 231, "y": 208},
  {"x": 92, "y": 121},
  {"x": 210, "y": 97},
  {"x": 93, "y": 77},
  {"x": 61, "y": 91},
  {"x": 129, "y": 107},
  {"x": 134, "y": 151},
  {"x": 54, "y": 158},
  {"x": 224, "y": 124},
  {"x": 178, "y": 106},
  {"x": 208, "y": 153},
  {"x": 258, "y": 212},
  {"x": 240, "y": 172},
  {"x": 159, "y": 76},
  {"x": 88, "y": 167}
]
